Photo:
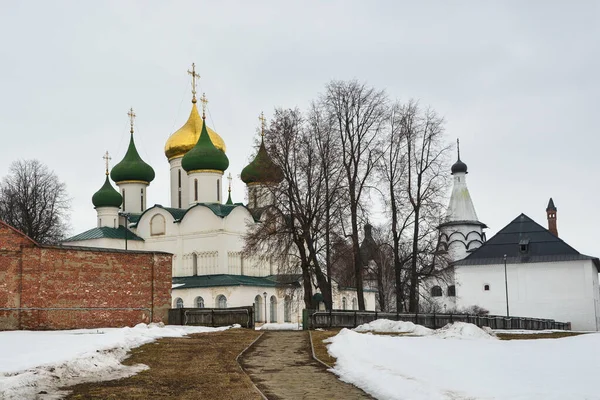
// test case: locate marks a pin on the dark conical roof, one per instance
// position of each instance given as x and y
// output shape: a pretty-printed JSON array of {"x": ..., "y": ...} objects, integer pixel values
[
  {"x": 132, "y": 167},
  {"x": 262, "y": 169},
  {"x": 204, "y": 155},
  {"x": 551, "y": 206},
  {"x": 107, "y": 196},
  {"x": 459, "y": 166}
]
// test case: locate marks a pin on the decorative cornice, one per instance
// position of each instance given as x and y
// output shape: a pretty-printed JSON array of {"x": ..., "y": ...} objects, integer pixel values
[
  {"x": 133, "y": 181},
  {"x": 212, "y": 171}
]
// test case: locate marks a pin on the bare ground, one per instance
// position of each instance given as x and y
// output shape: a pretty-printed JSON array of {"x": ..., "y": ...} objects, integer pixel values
[
  {"x": 201, "y": 366},
  {"x": 282, "y": 367}
]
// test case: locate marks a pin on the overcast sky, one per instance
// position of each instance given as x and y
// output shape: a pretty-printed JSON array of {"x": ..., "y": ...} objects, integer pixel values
[{"x": 516, "y": 81}]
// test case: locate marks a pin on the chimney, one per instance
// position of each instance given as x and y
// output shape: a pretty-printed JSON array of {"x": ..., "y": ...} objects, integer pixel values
[{"x": 551, "y": 213}]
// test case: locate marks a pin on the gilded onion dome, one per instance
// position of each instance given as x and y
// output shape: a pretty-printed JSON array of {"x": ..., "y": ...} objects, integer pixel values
[
  {"x": 187, "y": 136},
  {"x": 107, "y": 196},
  {"x": 132, "y": 167},
  {"x": 262, "y": 169},
  {"x": 204, "y": 155}
]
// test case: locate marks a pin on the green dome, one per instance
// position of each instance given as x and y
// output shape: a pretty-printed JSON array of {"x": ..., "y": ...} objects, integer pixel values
[
  {"x": 132, "y": 167},
  {"x": 107, "y": 196},
  {"x": 262, "y": 169},
  {"x": 204, "y": 155}
]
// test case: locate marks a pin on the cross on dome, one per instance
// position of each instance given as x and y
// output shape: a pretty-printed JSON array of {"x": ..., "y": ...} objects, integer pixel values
[
  {"x": 106, "y": 158},
  {"x": 194, "y": 76},
  {"x": 262, "y": 120},
  {"x": 229, "y": 178},
  {"x": 204, "y": 102},
  {"x": 131, "y": 116}
]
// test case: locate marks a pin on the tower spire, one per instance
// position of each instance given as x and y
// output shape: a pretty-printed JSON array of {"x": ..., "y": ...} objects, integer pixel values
[
  {"x": 194, "y": 76},
  {"x": 106, "y": 158},
  {"x": 132, "y": 116},
  {"x": 262, "y": 120},
  {"x": 204, "y": 102},
  {"x": 551, "y": 214},
  {"x": 458, "y": 147},
  {"x": 229, "y": 178}
]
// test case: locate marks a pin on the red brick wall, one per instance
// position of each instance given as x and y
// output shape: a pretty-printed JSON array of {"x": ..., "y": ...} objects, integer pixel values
[{"x": 66, "y": 287}]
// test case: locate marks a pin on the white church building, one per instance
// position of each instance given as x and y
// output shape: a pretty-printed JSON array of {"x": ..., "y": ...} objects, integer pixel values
[
  {"x": 204, "y": 231},
  {"x": 524, "y": 270}
]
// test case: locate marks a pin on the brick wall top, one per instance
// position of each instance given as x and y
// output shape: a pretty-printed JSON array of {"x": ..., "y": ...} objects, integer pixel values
[{"x": 12, "y": 239}]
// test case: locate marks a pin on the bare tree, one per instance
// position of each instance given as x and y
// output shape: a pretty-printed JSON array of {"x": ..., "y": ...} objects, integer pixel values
[
  {"x": 357, "y": 112},
  {"x": 426, "y": 186},
  {"x": 33, "y": 200}
]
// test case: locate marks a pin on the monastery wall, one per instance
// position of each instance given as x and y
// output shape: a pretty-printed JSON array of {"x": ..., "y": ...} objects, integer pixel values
[{"x": 48, "y": 287}]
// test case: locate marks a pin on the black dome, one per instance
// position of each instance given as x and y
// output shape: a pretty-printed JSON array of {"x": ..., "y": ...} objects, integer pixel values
[{"x": 459, "y": 166}]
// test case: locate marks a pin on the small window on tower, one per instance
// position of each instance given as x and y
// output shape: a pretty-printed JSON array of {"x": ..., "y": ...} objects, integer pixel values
[{"x": 486, "y": 287}]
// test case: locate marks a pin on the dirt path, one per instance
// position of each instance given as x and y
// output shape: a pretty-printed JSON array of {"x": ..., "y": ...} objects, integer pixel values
[
  {"x": 200, "y": 366},
  {"x": 282, "y": 367}
]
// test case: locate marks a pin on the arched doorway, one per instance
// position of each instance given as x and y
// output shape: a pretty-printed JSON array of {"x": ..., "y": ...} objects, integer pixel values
[
  {"x": 258, "y": 308},
  {"x": 273, "y": 309}
]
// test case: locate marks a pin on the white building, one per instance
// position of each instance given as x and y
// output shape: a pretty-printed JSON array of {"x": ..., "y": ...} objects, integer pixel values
[
  {"x": 525, "y": 270},
  {"x": 202, "y": 230}
]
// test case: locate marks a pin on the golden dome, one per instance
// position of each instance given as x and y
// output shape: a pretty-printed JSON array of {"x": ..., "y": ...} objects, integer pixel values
[{"x": 187, "y": 136}]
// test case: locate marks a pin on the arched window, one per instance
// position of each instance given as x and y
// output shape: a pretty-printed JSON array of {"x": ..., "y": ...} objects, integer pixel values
[
  {"x": 258, "y": 308},
  {"x": 343, "y": 303},
  {"x": 221, "y": 301},
  {"x": 486, "y": 287},
  {"x": 157, "y": 225},
  {"x": 452, "y": 291},
  {"x": 354, "y": 304},
  {"x": 179, "y": 188},
  {"x": 141, "y": 199},
  {"x": 123, "y": 200},
  {"x": 273, "y": 309},
  {"x": 218, "y": 190},
  {"x": 287, "y": 309},
  {"x": 436, "y": 291},
  {"x": 195, "y": 189},
  {"x": 178, "y": 303},
  {"x": 199, "y": 302},
  {"x": 194, "y": 264}
]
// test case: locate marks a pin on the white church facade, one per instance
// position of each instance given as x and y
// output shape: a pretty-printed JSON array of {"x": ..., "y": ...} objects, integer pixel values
[
  {"x": 204, "y": 231},
  {"x": 524, "y": 270}
]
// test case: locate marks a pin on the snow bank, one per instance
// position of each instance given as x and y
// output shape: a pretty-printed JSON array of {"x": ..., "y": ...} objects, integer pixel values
[
  {"x": 35, "y": 361},
  {"x": 288, "y": 326},
  {"x": 463, "y": 330},
  {"x": 389, "y": 326},
  {"x": 418, "y": 368}
]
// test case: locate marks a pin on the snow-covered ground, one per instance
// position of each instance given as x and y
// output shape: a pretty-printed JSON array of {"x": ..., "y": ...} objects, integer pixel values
[
  {"x": 438, "y": 366},
  {"x": 288, "y": 326},
  {"x": 32, "y": 361}
]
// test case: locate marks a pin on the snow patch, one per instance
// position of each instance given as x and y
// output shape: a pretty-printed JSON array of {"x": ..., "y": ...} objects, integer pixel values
[
  {"x": 389, "y": 326},
  {"x": 288, "y": 326},
  {"x": 41, "y": 361},
  {"x": 463, "y": 330},
  {"x": 419, "y": 368}
]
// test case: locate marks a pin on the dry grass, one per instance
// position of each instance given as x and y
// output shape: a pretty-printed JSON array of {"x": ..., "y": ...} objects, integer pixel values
[
  {"x": 320, "y": 348},
  {"x": 530, "y": 336},
  {"x": 201, "y": 366}
]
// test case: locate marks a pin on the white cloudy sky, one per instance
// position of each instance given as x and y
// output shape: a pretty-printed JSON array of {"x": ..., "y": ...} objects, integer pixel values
[{"x": 516, "y": 81}]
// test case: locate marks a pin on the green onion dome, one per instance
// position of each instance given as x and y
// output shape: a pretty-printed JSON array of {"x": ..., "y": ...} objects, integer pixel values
[
  {"x": 262, "y": 169},
  {"x": 204, "y": 155},
  {"x": 132, "y": 167},
  {"x": 107, "y": 196}
]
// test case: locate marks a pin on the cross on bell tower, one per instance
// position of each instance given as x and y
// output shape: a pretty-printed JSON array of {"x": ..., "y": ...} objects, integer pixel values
[{"x": 131, "y": 116}]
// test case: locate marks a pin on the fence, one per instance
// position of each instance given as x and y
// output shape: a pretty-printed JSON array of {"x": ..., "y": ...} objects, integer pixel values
[
  {"x": 350, "y": 319},
  {"x": 212, "y": 316}
]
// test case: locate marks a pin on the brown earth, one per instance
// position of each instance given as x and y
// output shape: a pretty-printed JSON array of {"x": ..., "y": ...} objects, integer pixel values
[
  {"x": 201, "y": 366},
  {"x": 282, "y": 367}
]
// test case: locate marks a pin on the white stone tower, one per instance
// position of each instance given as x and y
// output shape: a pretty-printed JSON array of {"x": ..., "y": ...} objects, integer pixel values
[{"x": 461, "y": 232}]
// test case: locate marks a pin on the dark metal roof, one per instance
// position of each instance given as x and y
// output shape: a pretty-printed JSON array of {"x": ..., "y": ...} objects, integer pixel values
[
  {"x": 104, "y": 233},
  {"x": 543, "y": 246},
  {"x": 220, "y": 210},
  {"x": 202, "y": 281},
  {"x": 551, "y": 206}
]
